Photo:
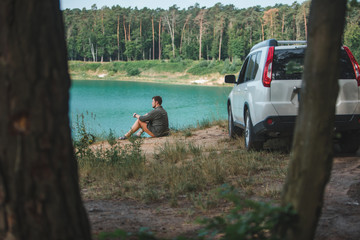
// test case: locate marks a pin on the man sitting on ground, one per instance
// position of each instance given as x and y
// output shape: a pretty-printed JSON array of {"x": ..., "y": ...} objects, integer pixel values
[{"x": 154, "y": 123}]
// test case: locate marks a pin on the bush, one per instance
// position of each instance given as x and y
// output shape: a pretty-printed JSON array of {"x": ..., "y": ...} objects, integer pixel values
[
  {"x": 92, "y": 66},
  {"x": 131, "y": 71},
  {"x": 83, "y": 138},
  {"x": 205, "y": 67},
  {"x": 111, "y": 139},
  {"x": 250, "y": 219}
]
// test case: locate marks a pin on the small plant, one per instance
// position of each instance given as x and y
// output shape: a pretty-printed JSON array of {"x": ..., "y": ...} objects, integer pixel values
[
  {"x": 187, "y": 132},
  {"x": 132, "y": 71},
  {"x": 204, "y": 123},
  {"x": 249, "y": 219},
  {"x": 83, "y": 138},
  {"x": 111, "y": 139}
]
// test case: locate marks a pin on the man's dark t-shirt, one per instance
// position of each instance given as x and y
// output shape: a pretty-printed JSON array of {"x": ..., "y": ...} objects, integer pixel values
[{"x": 158, "y": 122}]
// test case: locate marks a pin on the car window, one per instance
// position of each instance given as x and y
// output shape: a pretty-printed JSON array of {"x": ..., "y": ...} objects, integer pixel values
[
  {"x": 242, "y": 71},
  {"x": 250, "y": 68},
  {"x": 257, "y": 63},
  {"x": 346, "y": 67},
  {"x": 288, "y": 64}
]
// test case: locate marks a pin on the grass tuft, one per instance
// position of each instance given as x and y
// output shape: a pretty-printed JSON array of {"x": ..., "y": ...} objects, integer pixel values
[{"x": 180, "y": 167}]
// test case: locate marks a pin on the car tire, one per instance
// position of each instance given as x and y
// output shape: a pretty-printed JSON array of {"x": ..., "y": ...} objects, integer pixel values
[
  {"x": 349, "y": 142},
  {"x": 249, "y": 136},
  {"x": 233, "y": 130}
]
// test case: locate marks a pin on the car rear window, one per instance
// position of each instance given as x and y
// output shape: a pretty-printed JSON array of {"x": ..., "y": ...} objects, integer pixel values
[{"x": 288, "y": 64}]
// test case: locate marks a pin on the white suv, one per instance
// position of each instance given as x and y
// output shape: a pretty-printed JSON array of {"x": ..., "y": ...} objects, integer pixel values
[{"x": 265, "y": 99}]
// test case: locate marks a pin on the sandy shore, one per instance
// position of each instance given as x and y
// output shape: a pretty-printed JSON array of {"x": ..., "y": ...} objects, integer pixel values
[{"x": 163, "y": 78}]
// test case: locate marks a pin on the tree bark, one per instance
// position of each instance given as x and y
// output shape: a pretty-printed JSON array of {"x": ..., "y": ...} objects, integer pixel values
[
  {"x": 39, "y": 191},
  {"x": 221, "y": 35},
  {"x": 200, "y": 21},
  {"x": 183, "y": 31},
  {"x": 171, "y": 29},
  {"x": 305, "y": 22},
  {"x": 153, "y": 38},
  {"x": 311, "y": 162},
  {"x": 118, "y": 37},
  {"x": 124, "y": 24},
  {"x": 160, "y": 38}
]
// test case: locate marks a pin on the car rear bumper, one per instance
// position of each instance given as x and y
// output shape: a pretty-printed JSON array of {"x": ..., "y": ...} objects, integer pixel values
[{"x": 284, "y": 125}]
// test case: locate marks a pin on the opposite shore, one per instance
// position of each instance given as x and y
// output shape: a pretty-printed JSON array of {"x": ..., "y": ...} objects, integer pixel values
[{"x": 181, "y": 72}]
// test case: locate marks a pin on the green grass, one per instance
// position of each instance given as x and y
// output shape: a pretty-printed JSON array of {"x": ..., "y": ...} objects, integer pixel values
[
  {"x": 179, "y": 168},
  {"x": 167, "y": 71}
]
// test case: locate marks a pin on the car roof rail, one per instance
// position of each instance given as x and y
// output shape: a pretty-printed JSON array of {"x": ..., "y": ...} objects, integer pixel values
[
  {"x": 292, "y": 42},
  {"x": 274, "y": 43}
]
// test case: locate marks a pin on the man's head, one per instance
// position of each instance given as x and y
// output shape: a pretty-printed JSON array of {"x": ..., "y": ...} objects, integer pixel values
[{"x": 157, "y": 101}]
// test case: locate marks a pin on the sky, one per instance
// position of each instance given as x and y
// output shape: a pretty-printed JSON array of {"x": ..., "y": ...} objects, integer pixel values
[{"x": 165, "y": 4}]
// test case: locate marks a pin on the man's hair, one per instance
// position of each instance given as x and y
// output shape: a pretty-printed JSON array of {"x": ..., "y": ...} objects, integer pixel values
[{"x": 158, "y": 99}]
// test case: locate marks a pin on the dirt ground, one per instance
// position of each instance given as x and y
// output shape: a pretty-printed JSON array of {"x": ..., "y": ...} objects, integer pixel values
[{"x": 340, "y": 218}]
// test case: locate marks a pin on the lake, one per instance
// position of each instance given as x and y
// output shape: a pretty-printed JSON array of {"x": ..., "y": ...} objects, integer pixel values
[{"x": 110, "y": 104}]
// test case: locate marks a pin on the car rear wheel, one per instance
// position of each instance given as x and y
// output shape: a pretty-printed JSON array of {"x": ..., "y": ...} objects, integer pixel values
[{"x": 249, "y": 136}]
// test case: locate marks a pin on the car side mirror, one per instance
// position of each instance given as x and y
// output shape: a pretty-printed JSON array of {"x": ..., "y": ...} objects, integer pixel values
[{"x": 230, "y": 79}]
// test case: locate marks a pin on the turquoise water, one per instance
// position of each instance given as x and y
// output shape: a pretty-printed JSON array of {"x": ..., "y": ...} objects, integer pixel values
[{"x": 110, "y": 104}]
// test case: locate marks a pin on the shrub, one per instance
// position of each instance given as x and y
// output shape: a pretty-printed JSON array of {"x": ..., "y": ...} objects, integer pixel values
[
  {"x": 250, "y": 219},
  {"x": 205, "y": 67},
  {"x": 131, "y": 71},
  {"x": 111, "y": 139},
  {"x": 83, "y": 138},
  {"x": 92, "y": 66}
]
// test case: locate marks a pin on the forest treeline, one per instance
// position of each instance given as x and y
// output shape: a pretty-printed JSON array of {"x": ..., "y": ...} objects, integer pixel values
[{"x": 216, "y": 33}]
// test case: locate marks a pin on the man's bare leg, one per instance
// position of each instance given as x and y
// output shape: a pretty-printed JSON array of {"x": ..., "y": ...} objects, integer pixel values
[
  {"x": 143, "y": 125},
  {"x": 139, "y": 133},
  {"x": 136, "y": 126}
]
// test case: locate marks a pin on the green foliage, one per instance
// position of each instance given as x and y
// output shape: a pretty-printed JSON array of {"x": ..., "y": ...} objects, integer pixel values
[
  {"x": 204, "y": 123},
  {"x": 205, "y": 67},
  {"x": 131, "y": 71},
  {"x": 231, "y": 67},
  {"x": 352, "y": 39},
  {"x": 249, "y": 220},
  {"x": 127, "y": 161},
  {"x": 111, "y": 139},
  {"x": 84, "y": 66},
  {"x": 242, "y": 29},
  {"x": 83, "y": 138}
]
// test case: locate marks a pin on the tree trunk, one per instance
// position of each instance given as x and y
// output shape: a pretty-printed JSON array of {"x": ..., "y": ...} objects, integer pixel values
[
  {"x": 118, "y": 37},
  {"x": 103, "y": 33},
  {"x": 200, "y": 38},
  {"x": 92, "y": 50},
  {"x": 39, "y": 191},
  {"x": 172, "y": 29},
  {"x": 283, "y": 25},
  {"x": 221, "y": 35},
  {"x": 153, "y": 37},
  {"x": 160, "y": 39},
  {"x": 311, "y": 162},
  {"x": 124, "y": 24},
  {"x": 140, "y": 28},
  {"x": 129, "y": 35},
  {"x": 183, "y": 32},
  {"x": 305, "y": 23}
]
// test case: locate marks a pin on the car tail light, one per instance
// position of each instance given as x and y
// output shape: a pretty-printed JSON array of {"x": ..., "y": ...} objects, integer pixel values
[
  {"x": 355, "y": 64},
  {"x": 267, "y": 76},
  {"x": 269, "y": 121}
]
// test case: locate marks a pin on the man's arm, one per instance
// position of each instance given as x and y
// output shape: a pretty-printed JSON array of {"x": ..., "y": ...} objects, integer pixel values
[{"x": 147, "y": 117}]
